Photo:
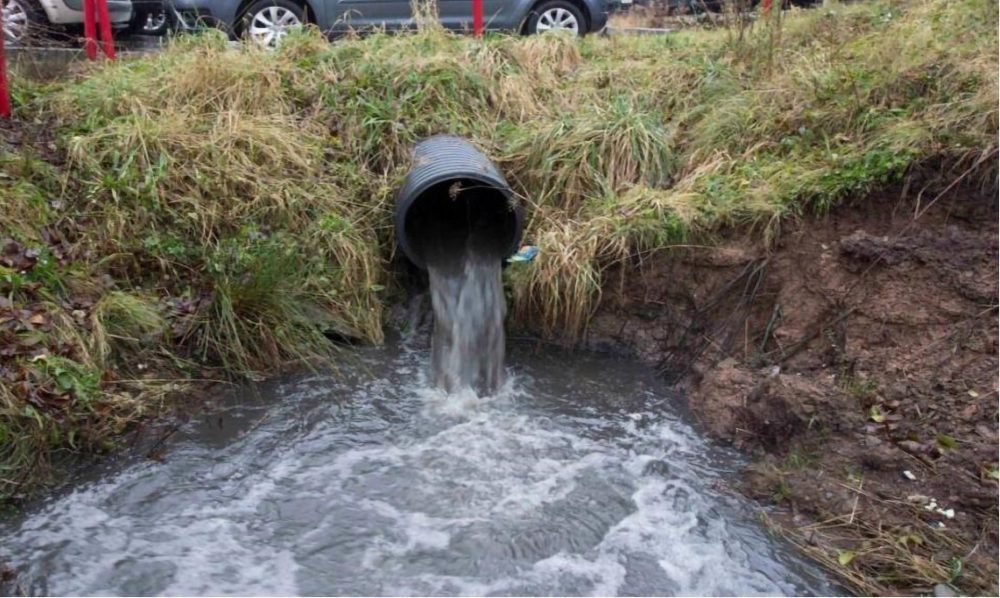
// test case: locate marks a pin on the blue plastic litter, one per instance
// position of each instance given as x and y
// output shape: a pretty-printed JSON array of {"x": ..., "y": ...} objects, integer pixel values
[{"x": 526, "y": 253}]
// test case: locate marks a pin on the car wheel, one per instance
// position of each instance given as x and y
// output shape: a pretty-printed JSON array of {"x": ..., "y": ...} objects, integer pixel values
[
  {"x": 556, "y": 15},
  {"x": 148, "y": 23},
  {"x": 267, "y": 21},
  {"x": 156, "y": 23},
  {"x": 23, "y": 21}
]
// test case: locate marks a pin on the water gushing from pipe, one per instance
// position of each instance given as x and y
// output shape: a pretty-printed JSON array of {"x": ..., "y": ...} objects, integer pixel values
[{"x": 468, "y": 301}]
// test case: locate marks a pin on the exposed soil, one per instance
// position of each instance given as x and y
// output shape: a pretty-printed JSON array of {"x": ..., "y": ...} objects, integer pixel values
[{"x": 857, "y": 361}]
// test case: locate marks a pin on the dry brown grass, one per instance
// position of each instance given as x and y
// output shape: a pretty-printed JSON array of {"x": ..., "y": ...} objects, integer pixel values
[{"x": 875, "y": 559}]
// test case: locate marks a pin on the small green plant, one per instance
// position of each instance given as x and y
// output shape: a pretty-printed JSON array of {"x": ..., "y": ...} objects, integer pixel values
[
  {"x": 946, "y": 442},
  {"x": 782, "y": 491},
  {"x": 796, "y": 460},
  {"x": 66, "y": 376},
  {"x": 864, "y": 390}
]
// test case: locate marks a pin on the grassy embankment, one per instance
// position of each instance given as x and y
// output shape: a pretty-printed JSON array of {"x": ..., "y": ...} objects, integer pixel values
[{"x": 218, "y": 210}]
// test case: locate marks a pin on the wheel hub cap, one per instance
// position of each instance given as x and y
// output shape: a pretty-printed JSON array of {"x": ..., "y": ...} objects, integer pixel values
[
  {"x": 15, "y": 21},
  {"x": 154, "y": 21},
  {"x": 269, "y": 25},
  {"x": 558, "y": 19}
]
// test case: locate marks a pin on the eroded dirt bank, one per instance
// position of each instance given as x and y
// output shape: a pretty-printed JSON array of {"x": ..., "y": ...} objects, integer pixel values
[{"x": 857, "y": 362}]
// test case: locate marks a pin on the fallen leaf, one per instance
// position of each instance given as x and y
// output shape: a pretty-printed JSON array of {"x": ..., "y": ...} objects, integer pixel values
[
  {"x": 37, "y": 319},
  {"x": 973, "y": 394},
  {"x": 946, "y": 441},
  {"x": 844, "y": 557}
]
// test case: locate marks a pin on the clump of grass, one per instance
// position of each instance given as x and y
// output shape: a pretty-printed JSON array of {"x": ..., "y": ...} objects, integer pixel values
[
  {"x": 236, "y": 193},
  {"x": 602, "y": 153},
  {"x": 558, "y": 296},
  {"x": 120, "y": 321}
]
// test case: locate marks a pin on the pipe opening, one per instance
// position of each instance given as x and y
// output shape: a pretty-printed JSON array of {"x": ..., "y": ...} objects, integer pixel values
[
  {"x": 460, "y": 215},
  {"x": 452, "y": 195}
]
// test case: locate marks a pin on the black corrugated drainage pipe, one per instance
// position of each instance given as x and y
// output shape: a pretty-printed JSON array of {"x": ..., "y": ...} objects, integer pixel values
[{"x": 453, "y": 192}]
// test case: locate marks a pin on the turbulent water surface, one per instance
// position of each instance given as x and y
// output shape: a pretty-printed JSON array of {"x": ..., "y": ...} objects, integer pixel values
[{"x": 580, "y": 476}]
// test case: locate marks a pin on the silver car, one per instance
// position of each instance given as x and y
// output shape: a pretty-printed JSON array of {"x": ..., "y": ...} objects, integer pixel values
[
  {"x": 24, "y": 20},
  {"x": 267, "y": 21}
]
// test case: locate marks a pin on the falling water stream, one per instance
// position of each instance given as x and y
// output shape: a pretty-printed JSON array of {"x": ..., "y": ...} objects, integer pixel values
[
  {"x": 468, "y": 341},
  {"x": 464, "y": 253},
  {"x": 581, "y": 475}
]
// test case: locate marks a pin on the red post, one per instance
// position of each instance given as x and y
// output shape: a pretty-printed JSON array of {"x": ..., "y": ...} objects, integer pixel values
[
  {"x": 94, "y": 11},
  {"x": 106, "y": 39},
  {"x": 477, "y": 17},
  {"x": 4, "y": 91},
  {"x": 90, "y": 29}
]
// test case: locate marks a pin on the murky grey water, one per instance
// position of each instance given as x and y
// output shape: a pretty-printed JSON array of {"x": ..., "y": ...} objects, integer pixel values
[{"x": 581, "y": 476}]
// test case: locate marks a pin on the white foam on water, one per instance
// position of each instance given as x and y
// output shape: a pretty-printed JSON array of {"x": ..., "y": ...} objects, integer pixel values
[
  {"x": 604, "y": 574},
  {"x": 462, "y": 403},
  {"x": 408, "y": 491},
  {"x": 205, "y": 554},
  {"x": 420, "y": 530}
]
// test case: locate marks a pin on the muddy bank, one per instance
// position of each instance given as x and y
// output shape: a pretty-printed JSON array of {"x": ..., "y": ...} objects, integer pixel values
[{"x": 857, "y": 361}]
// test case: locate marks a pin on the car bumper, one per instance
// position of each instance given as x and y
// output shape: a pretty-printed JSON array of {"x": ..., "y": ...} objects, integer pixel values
[{"x": 119, "y": 11}]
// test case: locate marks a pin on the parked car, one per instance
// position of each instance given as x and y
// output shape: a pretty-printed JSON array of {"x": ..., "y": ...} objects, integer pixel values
[
  {"x": 25, "y": 20},
  {"x": 267, "y": 21}
]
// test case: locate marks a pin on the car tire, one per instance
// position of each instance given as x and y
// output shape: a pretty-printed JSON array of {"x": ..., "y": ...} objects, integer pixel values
[
  {"x": 267, "y": 21},
  {"x": 554, "y": 15},
  {"x": 24, "y": 21}
]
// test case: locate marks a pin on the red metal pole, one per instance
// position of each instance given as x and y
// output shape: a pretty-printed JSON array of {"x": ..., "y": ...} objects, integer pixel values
[
  {"x": 4, "y": 91},
  {"x": 106, "y": 39},
  {"x": 477, "y": 17},
  {"x": 90, "y": 29}
]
